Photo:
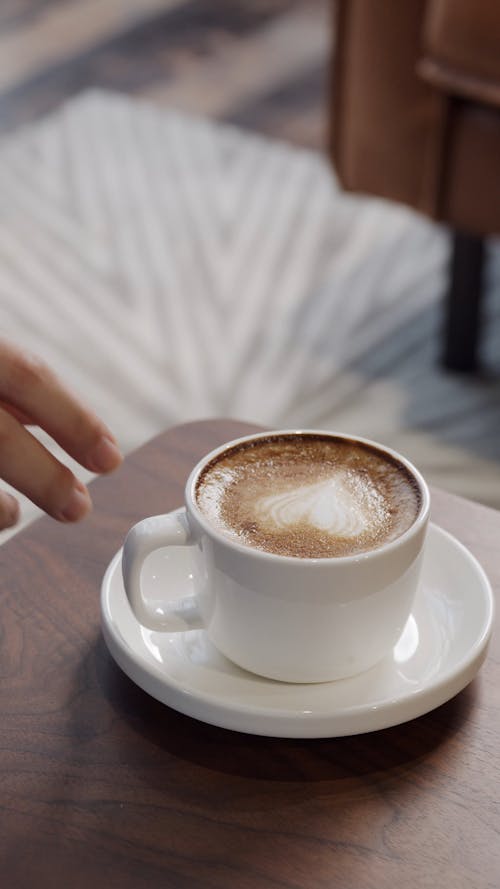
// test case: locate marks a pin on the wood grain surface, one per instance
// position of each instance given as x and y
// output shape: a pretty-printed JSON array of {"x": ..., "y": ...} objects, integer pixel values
[{"x": 102, "y": 786}]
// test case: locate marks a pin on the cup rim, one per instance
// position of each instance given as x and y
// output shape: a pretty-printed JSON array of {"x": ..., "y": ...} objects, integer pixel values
[{"x": 376, "y": 552}]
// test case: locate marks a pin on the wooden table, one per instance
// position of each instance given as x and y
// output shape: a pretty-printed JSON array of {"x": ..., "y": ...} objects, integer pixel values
[{"x": 101, "y": 786}]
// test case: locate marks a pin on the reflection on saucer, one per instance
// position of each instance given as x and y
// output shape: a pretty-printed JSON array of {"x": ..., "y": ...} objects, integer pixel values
[{"x": 407, "y": 643}]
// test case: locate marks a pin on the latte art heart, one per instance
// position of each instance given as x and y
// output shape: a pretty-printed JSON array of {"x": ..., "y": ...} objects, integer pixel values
[{"x": 338, "y": 506}]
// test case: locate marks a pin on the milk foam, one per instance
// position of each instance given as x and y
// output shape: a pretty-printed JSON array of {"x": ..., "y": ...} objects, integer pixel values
[
  {"x": 335, "y": 505},
  {"x": 308, "y": 495}
]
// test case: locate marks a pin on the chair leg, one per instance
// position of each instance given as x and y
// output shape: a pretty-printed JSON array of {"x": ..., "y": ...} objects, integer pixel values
[{"x": 463, "y": 303}]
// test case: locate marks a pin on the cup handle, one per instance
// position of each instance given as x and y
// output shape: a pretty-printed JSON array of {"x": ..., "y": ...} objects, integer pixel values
[{"x": 172, "y": 529}]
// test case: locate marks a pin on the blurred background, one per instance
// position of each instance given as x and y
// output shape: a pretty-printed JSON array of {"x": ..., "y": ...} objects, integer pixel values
[
  {"x": 260, "y": 64},
  {"x": 280, "y": 210}
]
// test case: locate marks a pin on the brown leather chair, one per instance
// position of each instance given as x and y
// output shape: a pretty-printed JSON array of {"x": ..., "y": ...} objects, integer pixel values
[{"x": 416, "y": 119}]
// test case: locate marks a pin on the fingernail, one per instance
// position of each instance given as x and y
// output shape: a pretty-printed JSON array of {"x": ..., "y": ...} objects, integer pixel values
[
  {"x": 12, "y": 511},
  {"x": 77, "y": 506},
  {"x": 105, "y": 455}
]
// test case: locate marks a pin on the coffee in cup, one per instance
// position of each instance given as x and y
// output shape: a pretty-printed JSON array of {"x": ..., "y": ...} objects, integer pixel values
[{"x": 308, "y": 495}]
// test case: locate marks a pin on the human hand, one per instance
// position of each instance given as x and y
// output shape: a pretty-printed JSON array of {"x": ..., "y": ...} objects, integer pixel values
[{"x": 31, "y": 394}]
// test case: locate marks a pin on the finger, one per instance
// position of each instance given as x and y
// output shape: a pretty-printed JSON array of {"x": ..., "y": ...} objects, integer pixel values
[
  {"x": 31, "y": 469},
  {"x": 30, "y": 387},
  {"x": 18, "y": 414},
  {"x": 9, "y": 510}
]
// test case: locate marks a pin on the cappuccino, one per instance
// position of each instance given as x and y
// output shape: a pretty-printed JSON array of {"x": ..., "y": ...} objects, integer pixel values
[{"x": 308, "y": 495}]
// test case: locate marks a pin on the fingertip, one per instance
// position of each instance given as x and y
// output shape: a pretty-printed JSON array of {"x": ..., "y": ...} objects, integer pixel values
[
  {"x": 77, "y": 506},
  {"x": 105, "y": 455},
  {"x": 9, "y": 511}
]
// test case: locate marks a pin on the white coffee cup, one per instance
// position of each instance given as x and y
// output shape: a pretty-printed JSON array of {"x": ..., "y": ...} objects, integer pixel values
[{"x": 283, "y": 617}]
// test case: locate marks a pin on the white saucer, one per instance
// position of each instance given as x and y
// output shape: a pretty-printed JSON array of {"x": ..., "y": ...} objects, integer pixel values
[{"x": 441, "y": 649}]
